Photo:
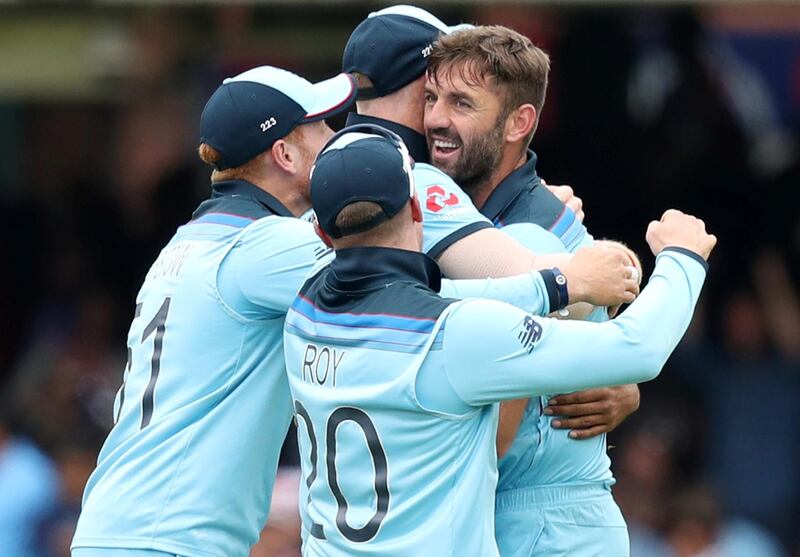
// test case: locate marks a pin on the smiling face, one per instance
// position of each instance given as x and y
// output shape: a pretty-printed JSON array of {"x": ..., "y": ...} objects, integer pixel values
[{"x": 465, "y": 125}]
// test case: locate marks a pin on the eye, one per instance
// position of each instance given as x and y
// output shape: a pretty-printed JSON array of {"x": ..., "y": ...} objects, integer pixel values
[
  {"x": 461, "y": 103},
  {"x": 430, "y": 97}
]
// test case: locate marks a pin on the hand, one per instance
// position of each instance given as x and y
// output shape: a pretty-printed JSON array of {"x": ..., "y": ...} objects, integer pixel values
[
  {"x": 601, "y": 276},
  {"x": 568, "y": 198},
  {"x": 680, "y": 230},
  {"x": 634, "y": 262},
  {"x": 592, "y": 412}
]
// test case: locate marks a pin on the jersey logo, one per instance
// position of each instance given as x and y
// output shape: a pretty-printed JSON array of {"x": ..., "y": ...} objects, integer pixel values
[
  {"x": 530, "y": 334},
  {"x": 436, "y": 200}
]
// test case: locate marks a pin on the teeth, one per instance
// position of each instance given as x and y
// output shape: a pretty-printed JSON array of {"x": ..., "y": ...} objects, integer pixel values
[{"x": 445, "y": 144}]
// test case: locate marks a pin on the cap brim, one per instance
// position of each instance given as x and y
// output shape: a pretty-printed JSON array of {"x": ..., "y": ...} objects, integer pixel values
[{"x": 331, "y": 97}]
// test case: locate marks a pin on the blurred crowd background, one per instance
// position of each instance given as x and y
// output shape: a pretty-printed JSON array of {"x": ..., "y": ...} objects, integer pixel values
[{"x": 695, "y": 106}]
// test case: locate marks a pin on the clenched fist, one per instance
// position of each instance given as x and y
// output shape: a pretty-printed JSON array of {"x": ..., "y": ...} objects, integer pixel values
[{"x": 678, "y": 229}]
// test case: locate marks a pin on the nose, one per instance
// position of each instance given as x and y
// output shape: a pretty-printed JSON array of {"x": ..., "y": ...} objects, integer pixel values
[{"x": 436, "y": 116}]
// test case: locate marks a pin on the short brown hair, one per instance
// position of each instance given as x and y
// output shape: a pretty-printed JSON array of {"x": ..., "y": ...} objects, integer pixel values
[
  {"x": 361, "y": 212},
  {"x": 362, "y": 81},
  {"x": 515, "y": 63}
]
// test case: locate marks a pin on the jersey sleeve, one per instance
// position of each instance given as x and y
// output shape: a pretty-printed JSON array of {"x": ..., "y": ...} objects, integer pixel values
[
  {"x": 263, "y": 272},
  {"x": 571, "y": 231},
  {"x": 497, "y": 352},
  {"x": 535, "y": 238},
  {"x": 526, "y": 291},
  {"x": 448, "y": 212}
]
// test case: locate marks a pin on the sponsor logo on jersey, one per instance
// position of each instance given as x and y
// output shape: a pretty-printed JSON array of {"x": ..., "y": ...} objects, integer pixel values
[
  {"x": 530, "y": 334},
  {"x": 437, "y": 200}
]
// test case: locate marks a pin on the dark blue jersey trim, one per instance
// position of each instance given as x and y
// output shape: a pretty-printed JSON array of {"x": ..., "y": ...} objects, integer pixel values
[
  {"x": 697, "y": 257},
  {"x": 441, "y": 246}
]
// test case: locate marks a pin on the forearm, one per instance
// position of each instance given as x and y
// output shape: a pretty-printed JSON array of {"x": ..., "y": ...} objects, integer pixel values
[{"x": 527, "y": 291}]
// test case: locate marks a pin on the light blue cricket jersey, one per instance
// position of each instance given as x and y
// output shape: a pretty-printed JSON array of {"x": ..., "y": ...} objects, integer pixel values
[
  {"x": 204, "y": 407},
  {"x": 540, "y": 454},
  {"x": 201, "y": 416},
  {"x": 395, "y": 388}
]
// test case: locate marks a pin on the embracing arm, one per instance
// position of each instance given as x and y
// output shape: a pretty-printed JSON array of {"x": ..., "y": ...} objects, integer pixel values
[{"x": 496, "y": 352}]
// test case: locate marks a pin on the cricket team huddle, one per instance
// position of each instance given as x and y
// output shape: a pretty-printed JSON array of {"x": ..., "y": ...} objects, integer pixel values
[{"x": 437, "y": 320}]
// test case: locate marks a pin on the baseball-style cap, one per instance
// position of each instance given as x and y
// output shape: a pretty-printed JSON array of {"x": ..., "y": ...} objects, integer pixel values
[
  {"x": 391, "y": 47},
  {"x": 250, "y": 112},
  {"x": 361, "y": 163}
]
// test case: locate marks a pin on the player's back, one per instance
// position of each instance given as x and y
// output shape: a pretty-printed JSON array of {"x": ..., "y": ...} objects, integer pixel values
[
  {"x": 383, "y": 474},
  {"x": 203, "y": 410}
]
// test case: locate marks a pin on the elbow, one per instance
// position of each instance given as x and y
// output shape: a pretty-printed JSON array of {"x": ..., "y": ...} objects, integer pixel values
[
  {"x": 647, "y": 354},
  {"x": 652, "y": 360}
]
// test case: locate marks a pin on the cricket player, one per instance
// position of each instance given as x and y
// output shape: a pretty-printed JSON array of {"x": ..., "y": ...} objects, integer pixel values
[
  {"x": 388, "y": 55},
  {"x": 200, "y": 418},
  {"x": 395, "y": 386},
  {"x": 484, "y": 95}
]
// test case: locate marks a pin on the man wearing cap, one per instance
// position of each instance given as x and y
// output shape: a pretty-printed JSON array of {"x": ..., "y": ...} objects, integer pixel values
[
  {"x": 204, "y": 407},
  {"x": 201, "y": 415},
  {"x": 388, "y": 55},
  {"x": 486, "y": 88},
  {"x": 395, "y": 386}
]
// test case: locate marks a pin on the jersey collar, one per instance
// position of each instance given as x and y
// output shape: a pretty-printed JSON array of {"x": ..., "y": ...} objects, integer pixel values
[
  {"x": 415, "y": 141},
  {"x": 239, "y": 197},
  {"x": 369, "y": 268},
  {"x": 522, "y": 179}
]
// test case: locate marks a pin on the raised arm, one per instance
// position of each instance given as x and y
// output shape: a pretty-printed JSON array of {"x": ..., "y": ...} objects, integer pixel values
[{"x": 495, "y": 352}]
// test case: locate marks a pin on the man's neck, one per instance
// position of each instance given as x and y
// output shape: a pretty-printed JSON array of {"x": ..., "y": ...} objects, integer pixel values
[
  {"x": 480, "y": 193},
  {"x": 288, "y": 193},
  {"x": 398, "y": 116},
  {"x": 403, "y": 107},
  {"x": 405, "y": 241}
]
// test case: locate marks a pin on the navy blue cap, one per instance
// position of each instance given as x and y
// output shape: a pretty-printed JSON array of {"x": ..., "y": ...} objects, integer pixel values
[
  {"x": 250, "y": 112},
  {"x": 361, "y": 163},
  {"x": 391, "y": 47}
]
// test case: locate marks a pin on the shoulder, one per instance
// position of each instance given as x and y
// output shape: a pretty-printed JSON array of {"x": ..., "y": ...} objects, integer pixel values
[
  {"x": 404, "y": 300},
  {"x": 425, "y": 171},
  {"x": 440, "y": 195},
  {"x": 407, "y": 299},
  {"x": 278, "y": 244},
  {"x": 477, "y": 326},
  {"x": 285, "y": 231},
  {"x": 535, "y": 237},
  {"x": 426, "y": 175},
  {"x": 540, "y": 206}
]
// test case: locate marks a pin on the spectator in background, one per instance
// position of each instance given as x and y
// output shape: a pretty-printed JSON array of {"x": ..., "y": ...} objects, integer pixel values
[
  {"x": 698, "y": 528},
  {"x": 75, "y": 460},
  {"x": 28, "y": 493}
]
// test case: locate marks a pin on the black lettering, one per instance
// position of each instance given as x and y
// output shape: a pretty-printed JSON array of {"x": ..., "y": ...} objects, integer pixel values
[
  {"x": 327, "y": 353},
  {"x": 308, "y": 359},
  {"x": 336, "y": 363}
]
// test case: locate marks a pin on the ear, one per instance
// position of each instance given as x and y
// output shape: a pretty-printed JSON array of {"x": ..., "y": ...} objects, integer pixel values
[
  {"x": 520, "y": 123},
  {"x": 322, "y": 236},
  {"x": 284, "y": 156},
  {"x": 416, "y": 210}
]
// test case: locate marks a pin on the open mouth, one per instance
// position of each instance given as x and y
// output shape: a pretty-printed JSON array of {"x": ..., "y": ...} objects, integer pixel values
[{"x": 444, "y": 149}]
